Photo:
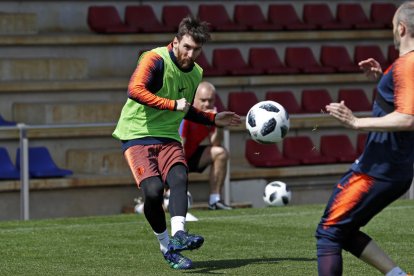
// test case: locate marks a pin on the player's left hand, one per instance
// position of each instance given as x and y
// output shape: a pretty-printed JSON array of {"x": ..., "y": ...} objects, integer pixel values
[
  {"x": 342, "y": 113},
  {"x": 227, "y": 118}
]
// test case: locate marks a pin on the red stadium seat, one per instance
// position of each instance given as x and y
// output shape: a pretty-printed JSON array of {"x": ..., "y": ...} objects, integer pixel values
[
  {"x": 302, "y": 148},
  {"x": 267, "y": 61},
  {"x": 172, "y": 15},
  {"x": 315, "y": 100},
  {"x": 232, "y": 62},
  {"x": 105, "y": 19},
  {"x": 219, "y": 103},
  {"x": 321, "y": 16},
  {"x": 362, "y": 52},
  {"x": 303, "y": 59},
  {"x": 266, "y": 155},
  {"x": 392, "y": 54},
  {"x": 361, "y": 139},
  {"x": 352, "y": 13},
  {"x": 286, "y": 16},
  {"x": 338, "y": 147},
  {"x": 208, "y": 70},
  {"x": 143, "y": 18},
  {"x": 355, "y": 99},
  {"x": 218, "y": 18},
  {"x": 383, "y": 13},
  {"x": 338, "y": 57},
  {"x": 285, "y": 98},
  {"x": 251, "y": 16},
  {"x": 241, "y": 102}
]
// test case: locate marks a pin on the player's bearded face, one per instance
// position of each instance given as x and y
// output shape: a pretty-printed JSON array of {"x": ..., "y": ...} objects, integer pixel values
[
  {"x": 183, "y": 59},
  {"x": 186, "y": 50}
]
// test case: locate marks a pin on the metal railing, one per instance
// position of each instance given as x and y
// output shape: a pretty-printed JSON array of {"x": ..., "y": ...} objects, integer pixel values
[{"x": 24, "y": 159}]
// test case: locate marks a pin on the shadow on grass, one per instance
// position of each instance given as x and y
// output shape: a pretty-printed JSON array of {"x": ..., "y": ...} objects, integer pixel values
[{"x": 211, "y": 266}]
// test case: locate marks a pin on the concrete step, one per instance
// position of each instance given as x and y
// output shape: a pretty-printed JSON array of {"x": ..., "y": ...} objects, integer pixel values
[
  {"x": 66, "y": 112},
  {"x": 98, "y": 160},
  {"x": 16, "y": 23},
  {"x": 24, "y": 69}
]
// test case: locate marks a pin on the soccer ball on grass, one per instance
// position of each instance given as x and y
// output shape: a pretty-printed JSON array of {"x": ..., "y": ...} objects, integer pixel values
[
  {"x": 276, "y": 194},
  {"x": 267, "y": 122}
]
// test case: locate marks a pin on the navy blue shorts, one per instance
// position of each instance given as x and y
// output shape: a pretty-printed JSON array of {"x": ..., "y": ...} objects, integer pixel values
[{"x": 355, "y": 200}]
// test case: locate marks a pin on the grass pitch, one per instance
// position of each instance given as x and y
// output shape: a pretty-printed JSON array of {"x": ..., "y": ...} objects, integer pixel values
[{"x": 268, "y": 241}]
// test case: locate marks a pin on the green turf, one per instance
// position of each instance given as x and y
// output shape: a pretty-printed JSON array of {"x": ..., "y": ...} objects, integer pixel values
[{"x": 268, "y": 241}]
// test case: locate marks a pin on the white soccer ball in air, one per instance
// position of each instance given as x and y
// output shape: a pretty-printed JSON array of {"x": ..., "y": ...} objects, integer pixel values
[
  {"x": 267, "y": 122},
  {"x": 167, "y": 199},
  {"x": 276, "y": 193}
]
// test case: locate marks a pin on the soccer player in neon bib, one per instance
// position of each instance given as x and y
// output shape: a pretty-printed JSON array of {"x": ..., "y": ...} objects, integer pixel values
[{"x": 160, "y": 95}]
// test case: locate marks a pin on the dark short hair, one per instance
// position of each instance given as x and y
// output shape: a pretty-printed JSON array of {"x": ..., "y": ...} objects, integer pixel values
[{"x": 197, "y": 29}]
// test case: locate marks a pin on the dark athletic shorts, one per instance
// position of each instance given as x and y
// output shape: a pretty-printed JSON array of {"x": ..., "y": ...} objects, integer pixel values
[
  {"x": 195, "y": 160},
  {"x": 153, "y": 160}
]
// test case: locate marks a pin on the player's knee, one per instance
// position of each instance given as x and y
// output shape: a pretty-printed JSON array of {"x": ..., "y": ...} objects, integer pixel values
[
  {"x": 326, "y": 247},
  {"x": 221, "y": 153},
  {"x": 153, "y": 189}
]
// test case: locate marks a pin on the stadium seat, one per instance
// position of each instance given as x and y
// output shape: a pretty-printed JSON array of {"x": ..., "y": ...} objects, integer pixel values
[
  {"x": 355, "y": 99},
  {"x": 392, "y": 54},
  {"x": 219, "y": 103},
  {"x": 268, "y": 62},
  {"x": 338, "y": 57},
  {"x": 303, "y": 59},
  {"x": 352, "y": 13},
  {"x": 105, "y": 19},
  {"x": 362, "y": 52},
  {"x": 285, "y": 98},
  {"x": 218, "y": 18},
  {"x": 339, "y": 147},
  {"x": 321, "y": 16},
  {"x": 302, "y": 148},
  {"x": 172, "y": 15},
  {"x": 7, "y": 169},
  {"x": 251, "y": 16},
  {"x": 361, "y": 139},
  {"x": 285, "y": 15},
  {"x": 208, "y": 70},
  {"x": 315, "y": 100},
  {"x": 383, "y": 13},
  {"x": 144, "y": 19},
  {"x": 41, "y": 164},
  {"x": 266, "y": 155},
  {"x": 4, "y": 122},
  {"x": 231, "y": 61},
  {"x": 241, "y": 102}
]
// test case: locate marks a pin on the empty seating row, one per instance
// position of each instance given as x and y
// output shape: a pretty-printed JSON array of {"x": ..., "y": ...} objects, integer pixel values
[
  {"x": 266, "y": 61},
  {"x": 41, "y": 164},
  {"x": 246, "y": 17},
  {"x": 300, "y": 150},
  {"x": 312, "y": 100}
]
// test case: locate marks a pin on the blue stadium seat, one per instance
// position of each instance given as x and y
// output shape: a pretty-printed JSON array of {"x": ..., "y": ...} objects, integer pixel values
[
  {"x": 4, "y": 122},
  {"x": 41, "y": 164},
  {"x": 7, "y": 169}
]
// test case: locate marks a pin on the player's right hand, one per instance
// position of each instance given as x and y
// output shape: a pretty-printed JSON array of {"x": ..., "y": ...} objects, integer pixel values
[
  {"x": 371, "y": 68},
  {"x": 182, "y": 105}
]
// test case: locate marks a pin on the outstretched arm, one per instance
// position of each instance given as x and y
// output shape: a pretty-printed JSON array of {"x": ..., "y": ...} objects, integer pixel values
[{"x": 394, "y": 121}]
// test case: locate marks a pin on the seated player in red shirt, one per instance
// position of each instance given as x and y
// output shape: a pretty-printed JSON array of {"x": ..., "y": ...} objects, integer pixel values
[{"x": 200, "y": 155}]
